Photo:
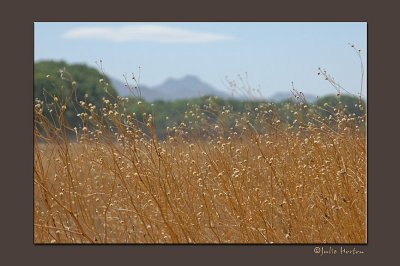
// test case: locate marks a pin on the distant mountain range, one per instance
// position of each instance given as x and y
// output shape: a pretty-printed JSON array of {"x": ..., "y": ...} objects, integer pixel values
[
  {"x": 172, "y": 89},
  {"x": 187, "y": 87},
  {"x": 280, "y": 96}
]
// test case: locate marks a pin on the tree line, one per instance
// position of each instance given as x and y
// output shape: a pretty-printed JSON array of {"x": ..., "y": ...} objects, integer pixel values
[{"x": 58, "y": 84}]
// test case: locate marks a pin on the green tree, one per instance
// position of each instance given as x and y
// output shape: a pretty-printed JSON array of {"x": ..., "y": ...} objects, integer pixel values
[{"x": 70, "y": 83}]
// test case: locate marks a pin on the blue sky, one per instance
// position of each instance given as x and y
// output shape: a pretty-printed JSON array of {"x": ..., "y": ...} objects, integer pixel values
[{"x": 272, "y": 54}]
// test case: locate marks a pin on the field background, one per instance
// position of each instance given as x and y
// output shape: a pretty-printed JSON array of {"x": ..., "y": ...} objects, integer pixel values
[{"x": 219, "y": 176}]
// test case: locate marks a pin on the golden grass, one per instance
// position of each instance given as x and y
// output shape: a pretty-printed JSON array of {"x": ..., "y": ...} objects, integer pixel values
[{"x": 261, "y": 181}]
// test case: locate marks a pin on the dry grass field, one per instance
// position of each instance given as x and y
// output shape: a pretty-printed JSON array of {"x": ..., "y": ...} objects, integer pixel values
[{"x": 257, "y": 181}]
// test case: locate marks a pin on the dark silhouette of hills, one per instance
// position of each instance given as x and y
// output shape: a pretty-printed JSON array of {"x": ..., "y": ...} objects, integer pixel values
[
  {"x": 189, "y": 87},
  {"x": 172, "y": 89},
  {"x": 281, "y": 96}
]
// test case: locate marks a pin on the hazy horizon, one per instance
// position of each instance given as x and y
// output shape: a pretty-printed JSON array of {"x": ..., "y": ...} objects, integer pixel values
[{"x": 271, "y": 54}]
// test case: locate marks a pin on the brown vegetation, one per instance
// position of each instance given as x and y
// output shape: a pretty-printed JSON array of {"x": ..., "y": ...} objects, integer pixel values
[{"x": 218, "y": 177}]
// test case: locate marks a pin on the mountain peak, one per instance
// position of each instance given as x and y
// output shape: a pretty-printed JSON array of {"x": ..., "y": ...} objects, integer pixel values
[
  {"x": 184, "y": 79},
  {"x": 190, "y": 77},
  {"x": 189, "y": 86}
]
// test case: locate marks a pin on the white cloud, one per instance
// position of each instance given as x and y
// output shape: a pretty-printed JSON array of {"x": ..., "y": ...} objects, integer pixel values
[{"x": 148, "y": 33}]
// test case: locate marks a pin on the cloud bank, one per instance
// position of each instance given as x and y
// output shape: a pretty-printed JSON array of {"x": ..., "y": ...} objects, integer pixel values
[{"x": 144, "y": 33}]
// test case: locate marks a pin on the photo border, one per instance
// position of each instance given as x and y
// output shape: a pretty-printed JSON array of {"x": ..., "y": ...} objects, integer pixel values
[{"x": 17, "y": 45}]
